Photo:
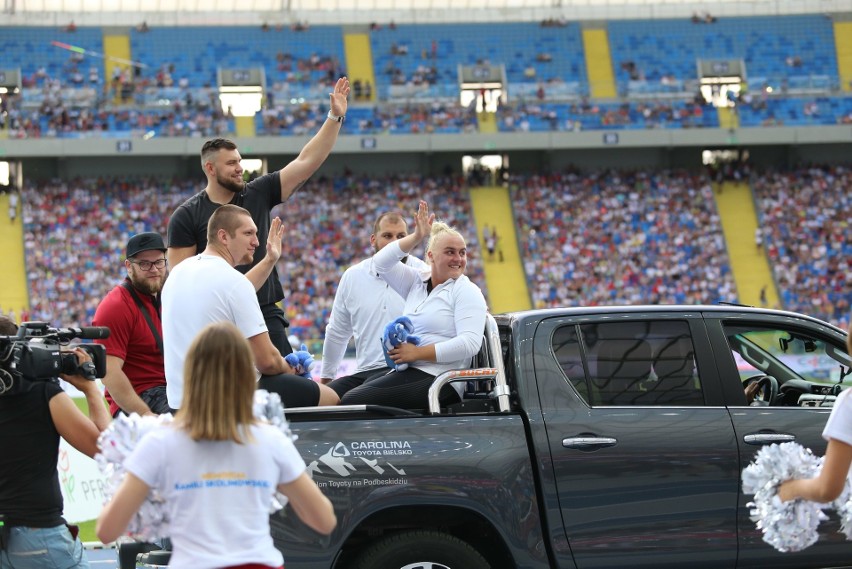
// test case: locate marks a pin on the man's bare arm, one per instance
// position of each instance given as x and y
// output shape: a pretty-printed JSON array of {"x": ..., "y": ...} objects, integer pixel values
[
  {"x": 121, "y": 390},
  {"x": 177, "y": 254},
  {"x": 267, "y": 358},
  {"x": 297, "y": 172}
]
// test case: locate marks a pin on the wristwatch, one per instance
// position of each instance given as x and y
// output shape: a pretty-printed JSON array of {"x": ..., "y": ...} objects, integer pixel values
[{"x": 334, "y": 117}]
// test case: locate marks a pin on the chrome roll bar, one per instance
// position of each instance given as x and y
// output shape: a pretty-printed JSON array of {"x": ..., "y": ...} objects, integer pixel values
[{"x": 497, "y": 372}]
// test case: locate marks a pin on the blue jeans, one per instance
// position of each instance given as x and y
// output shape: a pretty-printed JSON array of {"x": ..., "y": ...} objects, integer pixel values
[{"x": 43, "y": 548}]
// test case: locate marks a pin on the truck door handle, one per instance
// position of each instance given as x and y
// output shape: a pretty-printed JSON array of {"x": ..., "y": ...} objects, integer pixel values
[
  {"x": 768, "y": 438},
  {"x": 588, "y": 443}
]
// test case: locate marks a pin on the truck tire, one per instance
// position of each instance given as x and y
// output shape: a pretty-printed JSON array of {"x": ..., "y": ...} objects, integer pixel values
[{"x": 421, "y": 550}]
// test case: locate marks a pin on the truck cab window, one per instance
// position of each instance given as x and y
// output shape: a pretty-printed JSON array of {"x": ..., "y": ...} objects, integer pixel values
[
  {"x": 566, "y": 348},
  {"x": 807, "y": 371},
  {"x": 630, "y": 363}
]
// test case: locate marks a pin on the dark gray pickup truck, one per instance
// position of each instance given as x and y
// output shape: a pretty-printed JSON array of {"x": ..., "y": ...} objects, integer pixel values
[{"x": 588, "y": 438}]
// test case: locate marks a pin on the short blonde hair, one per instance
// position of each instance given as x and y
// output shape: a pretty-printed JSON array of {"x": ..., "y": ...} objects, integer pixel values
[
  {"x": 228, "y": 217},
  {"x": 439, "y": 229},
  {"x": 219, "y": 385}
]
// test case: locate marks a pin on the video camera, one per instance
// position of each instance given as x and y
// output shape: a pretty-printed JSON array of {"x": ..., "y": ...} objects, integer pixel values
[{"x": 35, "y": 354}]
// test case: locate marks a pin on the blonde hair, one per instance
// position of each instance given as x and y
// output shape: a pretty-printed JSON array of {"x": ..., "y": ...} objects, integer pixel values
[
  {"x": 219, "y": 384},
  {"x": 228, "y": 217},
  {"x": 439, "y": 228}
]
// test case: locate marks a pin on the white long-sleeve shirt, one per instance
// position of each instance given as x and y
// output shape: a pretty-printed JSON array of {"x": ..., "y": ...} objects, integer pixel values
[
  {"x": 452, "y": 316},
  {"x": 363, "y": 305}
]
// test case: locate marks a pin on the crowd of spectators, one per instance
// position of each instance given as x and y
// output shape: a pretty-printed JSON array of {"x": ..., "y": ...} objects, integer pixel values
[
  {"x": 537, "y": 115},
  {"x": 613, "y": 237},
  {"x": 75, "y": 233},
  {"x": 606, "y": 237},
  {"x": 138, "y": 100},
  {"x": 54, "y": 112},
  {"x": 139, "y": 110},
  {"x": 198, "y": 113},
  {"x": 316, "y": 68},
  {"x": 402, "y": 118},
  {"x": 334, "y": 218},
  {"x": 804, "y": 217}
]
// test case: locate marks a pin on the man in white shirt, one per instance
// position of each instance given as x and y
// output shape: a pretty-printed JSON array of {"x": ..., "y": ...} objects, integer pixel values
[
  {"x": 363, "y": 305},
  {"x": 207, "y": 288}
]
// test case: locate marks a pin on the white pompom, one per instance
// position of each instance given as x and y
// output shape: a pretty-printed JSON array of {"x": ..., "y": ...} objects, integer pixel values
[
  {"x": 116, "y": 443},
  {"x": 790, "y": 526},
  {"x": 268, "y": 406}
]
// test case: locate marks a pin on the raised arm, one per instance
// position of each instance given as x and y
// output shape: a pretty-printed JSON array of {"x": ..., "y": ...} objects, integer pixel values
[
  {"x": 260, "y": 272},
  {"x": 422, "y": 228},
  {"x": 297, "y": 172}
]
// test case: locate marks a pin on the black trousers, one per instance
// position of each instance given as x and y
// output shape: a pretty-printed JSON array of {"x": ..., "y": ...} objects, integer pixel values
[{"x": 407, "y": 389}]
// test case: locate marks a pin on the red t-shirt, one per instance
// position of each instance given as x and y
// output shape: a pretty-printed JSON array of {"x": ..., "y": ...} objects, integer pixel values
[{"x": 131, "y": 340}]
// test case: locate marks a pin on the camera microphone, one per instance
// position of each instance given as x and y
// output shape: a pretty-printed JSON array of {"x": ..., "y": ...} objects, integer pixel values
[{"x": 85, "y": 332}]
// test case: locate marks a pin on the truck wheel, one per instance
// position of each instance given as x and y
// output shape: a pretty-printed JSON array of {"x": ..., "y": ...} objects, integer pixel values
[{"x": 421, "y": 550}]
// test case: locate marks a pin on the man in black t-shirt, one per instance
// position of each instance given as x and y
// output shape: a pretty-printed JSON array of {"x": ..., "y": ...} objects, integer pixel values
[{"x": 220, "y": 160}]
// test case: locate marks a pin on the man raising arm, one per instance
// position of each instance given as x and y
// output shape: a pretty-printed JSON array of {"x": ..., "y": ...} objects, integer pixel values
[
  {"x": 363, "y": 305},
  {"x": 220, "y": 160},
  {"x": 207, "y": 288}
]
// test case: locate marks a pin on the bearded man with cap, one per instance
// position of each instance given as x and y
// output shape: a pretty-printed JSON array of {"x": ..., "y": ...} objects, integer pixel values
[{"x": 136, "y": 379}]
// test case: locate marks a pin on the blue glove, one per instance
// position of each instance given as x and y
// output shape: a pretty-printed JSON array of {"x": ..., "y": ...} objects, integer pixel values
[
  {"x": 396, "y": 333},
  {"x": 301, "y": 361}
]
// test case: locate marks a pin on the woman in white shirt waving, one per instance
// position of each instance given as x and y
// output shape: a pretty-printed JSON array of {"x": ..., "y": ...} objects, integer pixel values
[
  {"x": 447, "y": 311},
  {"x": 217, "y": 466}
]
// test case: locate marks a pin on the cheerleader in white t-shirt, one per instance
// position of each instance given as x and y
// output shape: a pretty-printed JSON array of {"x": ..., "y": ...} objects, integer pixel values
[
  {"x": 217, "y": 466},
  {"x": 828, "y": 485}
]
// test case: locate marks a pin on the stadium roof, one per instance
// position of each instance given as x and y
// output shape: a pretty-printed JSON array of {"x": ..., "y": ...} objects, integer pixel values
[{"x": 171, "y": 12}]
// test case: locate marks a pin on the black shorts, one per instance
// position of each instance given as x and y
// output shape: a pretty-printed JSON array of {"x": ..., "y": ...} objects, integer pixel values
[
  {"x": 294, "y": 390},
  {"x": 342, "y": 385},
  {"x": 156, "y": 400}
]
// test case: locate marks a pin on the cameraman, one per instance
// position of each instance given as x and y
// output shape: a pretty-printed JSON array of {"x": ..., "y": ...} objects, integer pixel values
[{"x": 33, "y": 415}]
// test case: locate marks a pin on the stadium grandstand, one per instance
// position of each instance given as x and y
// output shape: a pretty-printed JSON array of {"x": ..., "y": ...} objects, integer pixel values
[{"x": 593, "y": 151}]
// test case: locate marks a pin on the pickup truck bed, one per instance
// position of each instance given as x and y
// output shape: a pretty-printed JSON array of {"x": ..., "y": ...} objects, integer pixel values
[{"x": 590, "y": 438}]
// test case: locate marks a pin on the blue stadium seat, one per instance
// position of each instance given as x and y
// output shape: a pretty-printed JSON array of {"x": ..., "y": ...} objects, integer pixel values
[
  {"x": 30, "y": 49},
  {"x": 661, "y": 48},
  {"x": 516, "y": 45},
  {"x": 197, "y": 52}
]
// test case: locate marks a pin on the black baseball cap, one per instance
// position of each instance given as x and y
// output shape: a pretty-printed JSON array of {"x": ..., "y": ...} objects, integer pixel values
[{"x": 145, "y": 242}]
